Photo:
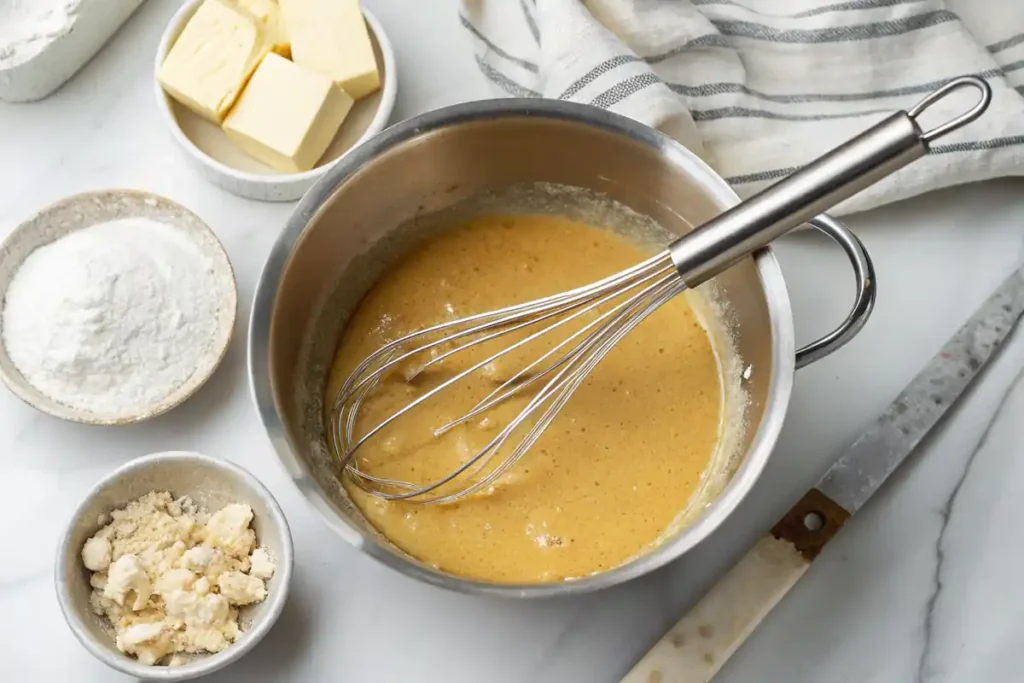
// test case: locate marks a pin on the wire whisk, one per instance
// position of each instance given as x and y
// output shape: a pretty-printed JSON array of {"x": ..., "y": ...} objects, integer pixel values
[
  {"x": 563, "y": 337},
  {"x": 621, "y": 301}
]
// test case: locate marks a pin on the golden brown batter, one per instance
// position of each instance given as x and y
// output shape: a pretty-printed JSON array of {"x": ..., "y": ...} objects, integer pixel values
[{"x": 609, "y": 475}]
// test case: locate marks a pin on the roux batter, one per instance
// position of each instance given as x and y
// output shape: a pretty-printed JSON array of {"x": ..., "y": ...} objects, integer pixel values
[{"x": 609, "y": 475}]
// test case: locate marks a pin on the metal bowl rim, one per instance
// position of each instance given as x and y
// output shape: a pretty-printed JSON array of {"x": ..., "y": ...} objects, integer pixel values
[{"x": 307, "y": 212}]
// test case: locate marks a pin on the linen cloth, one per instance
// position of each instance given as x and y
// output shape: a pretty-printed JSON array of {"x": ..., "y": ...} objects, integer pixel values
[{"x": 758, "y": 88}]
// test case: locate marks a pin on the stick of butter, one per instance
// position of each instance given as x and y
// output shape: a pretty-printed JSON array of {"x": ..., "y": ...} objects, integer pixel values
[
  {"x": 331, "y": 37},
  {"x": 287, "y": 115},
  {"x": 213, "y": 58},
  {"x": 269, "y": 15}
]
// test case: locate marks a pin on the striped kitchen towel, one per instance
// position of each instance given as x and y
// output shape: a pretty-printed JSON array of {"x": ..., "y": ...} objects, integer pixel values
[{"x": 760, "y": 87}]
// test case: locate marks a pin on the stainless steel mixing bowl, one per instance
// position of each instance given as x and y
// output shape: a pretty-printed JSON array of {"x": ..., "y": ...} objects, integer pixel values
[{"x": 388, "y": 192}]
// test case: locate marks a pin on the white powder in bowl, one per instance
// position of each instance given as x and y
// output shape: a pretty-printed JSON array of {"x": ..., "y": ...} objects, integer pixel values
[
  {"x": 111, "y": 318},
  {"x": 27, "y": 27}
]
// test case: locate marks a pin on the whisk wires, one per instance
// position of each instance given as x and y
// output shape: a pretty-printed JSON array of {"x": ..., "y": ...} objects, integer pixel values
[{"x": 604, "y": 311}]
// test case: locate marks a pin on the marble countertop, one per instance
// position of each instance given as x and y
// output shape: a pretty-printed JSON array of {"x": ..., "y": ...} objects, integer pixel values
[{"x": 923, "y": 585}]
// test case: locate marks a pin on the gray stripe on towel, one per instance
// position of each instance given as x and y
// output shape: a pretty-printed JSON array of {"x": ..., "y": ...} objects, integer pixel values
[
  {"x": 722, "y": 88},
  {"x": 468, "y": 25},
  {"x": 599, "y": 70},
  {"x": 707, "y": 40},
  {"x": 712, "y": 89},
  {"x": 531, "y": 23},
  {"x": 850, "y": 5},
  {"x": 953, "y": 147},
  {"x": 635, "y": 84},
  {"x": 747, "y": 113},
  {"x": 761, "y": 176},
  {"x": 974, "y": 146},
  {"x": 1012, "y": 66},
  {"x": 624, "y": 89},
  {"x": 836, "y": 34},
  {"x": 1012, "y": 41},
  {"x": 504, "y": 82}
]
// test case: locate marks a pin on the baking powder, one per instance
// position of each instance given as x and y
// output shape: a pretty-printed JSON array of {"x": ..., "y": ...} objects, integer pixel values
[
  {"x": 111, "y": 318},
  {"x": 27, "y": 27}
]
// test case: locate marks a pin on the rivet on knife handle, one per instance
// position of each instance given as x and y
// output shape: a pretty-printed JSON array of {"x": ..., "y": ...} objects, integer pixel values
[
  {"x": 811, "y": 523},
  {"x": 697, "y": 647}
]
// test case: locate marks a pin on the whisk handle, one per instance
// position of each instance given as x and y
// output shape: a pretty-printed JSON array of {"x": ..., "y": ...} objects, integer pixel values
[{"x": 820, "y": 185}]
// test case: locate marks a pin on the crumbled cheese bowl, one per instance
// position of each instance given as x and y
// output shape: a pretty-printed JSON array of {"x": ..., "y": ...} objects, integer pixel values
[{"x": 214, "y": 485}]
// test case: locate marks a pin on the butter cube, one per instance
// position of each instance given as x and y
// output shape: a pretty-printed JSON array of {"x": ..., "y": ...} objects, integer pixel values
[
  {"x": 287, "y": 115},
  {"x": 269, "y": 14},
  {"x": 213, "y": 58},
  {"x": 331, "y": 37}
]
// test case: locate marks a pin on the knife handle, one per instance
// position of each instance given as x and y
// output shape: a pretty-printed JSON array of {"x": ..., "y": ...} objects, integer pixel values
[{"x": 703, "y": 640}]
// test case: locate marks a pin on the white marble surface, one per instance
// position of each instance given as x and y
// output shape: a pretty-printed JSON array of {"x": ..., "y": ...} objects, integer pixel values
[{"x": 923, "y": 585}]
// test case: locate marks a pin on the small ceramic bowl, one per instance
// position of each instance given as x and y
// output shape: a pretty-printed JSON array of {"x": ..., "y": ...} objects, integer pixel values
[
  {"x": 213, "y": 484},
  {"x": 91, "y": 208},
  {"x": 210, "y": 151}
]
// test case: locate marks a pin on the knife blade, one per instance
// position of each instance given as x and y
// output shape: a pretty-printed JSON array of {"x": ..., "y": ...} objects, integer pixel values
[
  {"x": 869, "y": 460},
  {"x": 701, "y": 642}
]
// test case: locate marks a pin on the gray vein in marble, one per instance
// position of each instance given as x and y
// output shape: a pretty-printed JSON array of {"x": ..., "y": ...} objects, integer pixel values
[
  {"x": 866, "y": 464},
  {"x": 946, "y": 513}
]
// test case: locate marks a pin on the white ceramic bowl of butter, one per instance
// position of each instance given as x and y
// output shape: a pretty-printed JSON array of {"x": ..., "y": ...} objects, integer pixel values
[
  {"x": 223, "y": 163},
  {"x": 213, "y": 484}
]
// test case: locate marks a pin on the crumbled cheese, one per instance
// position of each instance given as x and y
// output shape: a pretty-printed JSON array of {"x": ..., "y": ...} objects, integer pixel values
[
  {"x": 241, "y": 589},
  {"x": 208, "y": 620},
  {"x": 142, "y": 633},
  {"x": 228, "y": 529},
  {"x": 149, "y": 641},
  {"x": 174, "y": 580},
  {"x": 262, "y": 564},
  {"x": 170, "y": 577},
  {"x": 204, "y": 560},
  {"x": 127, "y": 576},
  {"x": 96, "y": 554}
]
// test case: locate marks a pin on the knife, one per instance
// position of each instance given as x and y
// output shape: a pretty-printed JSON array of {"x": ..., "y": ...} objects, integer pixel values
[{"x": 700, "y": 643}]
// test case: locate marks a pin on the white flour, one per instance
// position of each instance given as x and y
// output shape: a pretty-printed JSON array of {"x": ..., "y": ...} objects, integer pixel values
[
  {"x": 111, "y": 318},
  {"x": 27, "y": 27}
]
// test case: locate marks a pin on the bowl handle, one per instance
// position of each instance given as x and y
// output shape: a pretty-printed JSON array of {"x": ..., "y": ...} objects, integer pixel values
[{"x": 864, "y": 272}]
